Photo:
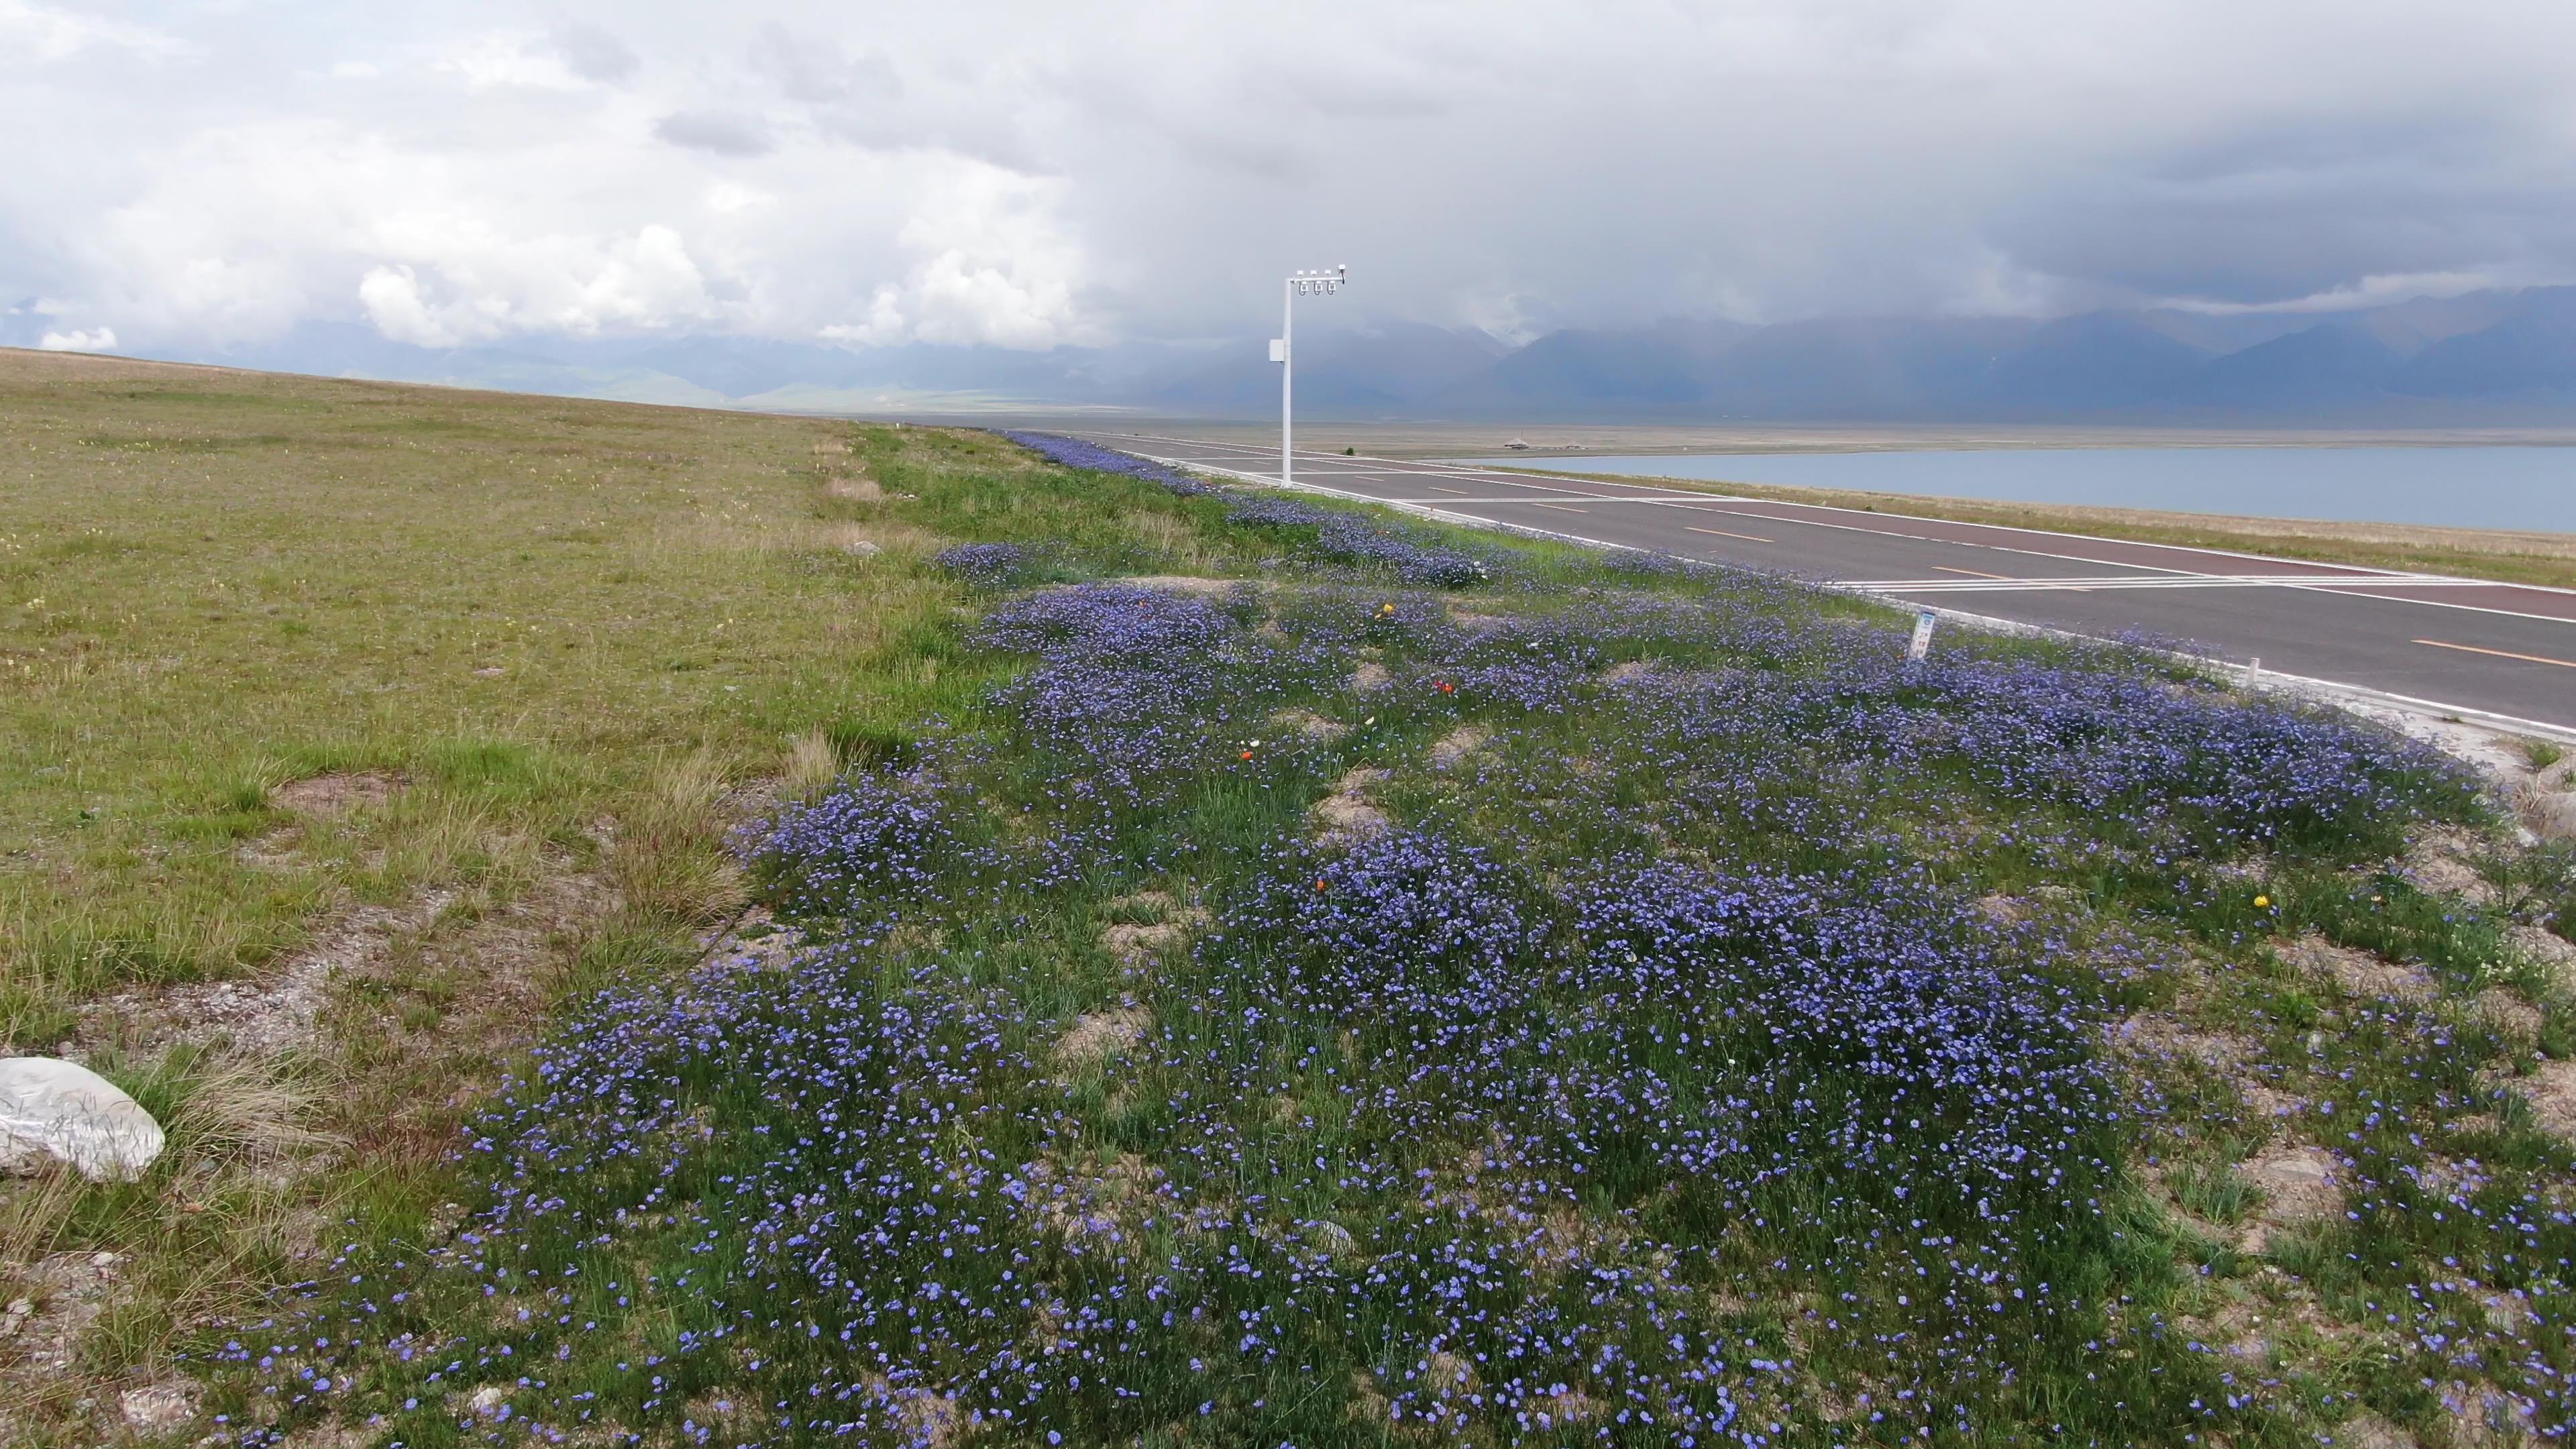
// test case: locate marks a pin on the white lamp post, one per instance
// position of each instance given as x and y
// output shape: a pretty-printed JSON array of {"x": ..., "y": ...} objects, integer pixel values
[{"x": 1310, "y": 284}]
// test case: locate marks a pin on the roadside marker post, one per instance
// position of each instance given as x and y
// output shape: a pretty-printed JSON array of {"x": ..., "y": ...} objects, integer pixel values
[
  {"x": 1922, "y": 641},
  {"x": 2254, "y": 673}
]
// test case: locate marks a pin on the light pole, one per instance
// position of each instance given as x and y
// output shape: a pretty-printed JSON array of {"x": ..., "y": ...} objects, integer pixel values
[{"x": 1310, "y": 284}]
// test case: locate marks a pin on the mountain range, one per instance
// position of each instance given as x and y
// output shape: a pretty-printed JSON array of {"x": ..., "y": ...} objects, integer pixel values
[{"x": 2492, "y": 357}]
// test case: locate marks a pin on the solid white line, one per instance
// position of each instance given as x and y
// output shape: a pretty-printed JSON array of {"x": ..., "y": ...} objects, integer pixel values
[{"x": 2172, "y": 581}]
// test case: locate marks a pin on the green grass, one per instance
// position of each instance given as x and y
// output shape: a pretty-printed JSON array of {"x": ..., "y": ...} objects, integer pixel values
[
  {"x": 307, "y": 575},
  {"x": 568, "y": 635}
]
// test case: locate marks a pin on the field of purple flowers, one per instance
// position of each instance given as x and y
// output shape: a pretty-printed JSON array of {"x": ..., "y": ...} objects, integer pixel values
[{"x": 1427, "y": 992}]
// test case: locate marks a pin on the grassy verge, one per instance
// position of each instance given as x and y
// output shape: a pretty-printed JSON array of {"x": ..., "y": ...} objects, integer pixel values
[
  {"x": 1592, "y": 1004},
  {"x": 350, "y": 726},
  {"x": 2524, "y": 558}
]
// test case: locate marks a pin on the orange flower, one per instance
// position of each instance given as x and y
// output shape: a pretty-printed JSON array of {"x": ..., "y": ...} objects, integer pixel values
[
  {"x": 1447, "y": 688},
  {"x": 1247, "y": 754},
  {"x": 1319, "y": 886}
]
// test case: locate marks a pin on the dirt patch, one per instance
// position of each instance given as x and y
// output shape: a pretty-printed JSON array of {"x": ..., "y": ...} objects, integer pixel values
[
  {"x": 2367, "y": 1430},
  {"x": 52, "y": 1303},
  {"x": 1458, "y": 744},
  {"x": 1474, "y": 622},
  {"x": 2151, "y": 1037},
  {"x": 2298, "y": 1183},
  {"x": 2237, "y": 1330},
  {"x": 1348, "y": 812},
  {"x": 1139, "y": 945},
  {"x": 2441, "y": 860},
  {"x": 1136, "y": 944},
  {"x": 1623, "y": 672},
  {"x": 855, "y": 489},
  {"x": 263, "y": 1017},
  {"x": 1189, "y": 584},
  {"x": 160, "y": 1408},
  {"x": 1101, "y": 1203},
  {"x": 2551, "y": 950},
  {"x": 1370, "y": 677},
  {"x": 1309, "y": 724},
  {"x": 2358, "y": 973},
  {"x": 2509, "y": 1016},
  {"x": 2002, "y": 909},
  {"x": 1102, "y": 1035},
  {"x": 328, "y": 797},
  {"x": 2552, "y": 1093}
]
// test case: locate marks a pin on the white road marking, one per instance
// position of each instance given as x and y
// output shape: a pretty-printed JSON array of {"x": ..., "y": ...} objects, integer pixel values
[
  {"x": 2501, "y": 653},
  {"x": 1722, "y": 533}
]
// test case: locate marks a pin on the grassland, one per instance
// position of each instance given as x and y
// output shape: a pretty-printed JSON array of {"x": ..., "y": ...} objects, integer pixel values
[
  {"x": 360, "y": 722},
  {"x": 1178, "y": 982}
]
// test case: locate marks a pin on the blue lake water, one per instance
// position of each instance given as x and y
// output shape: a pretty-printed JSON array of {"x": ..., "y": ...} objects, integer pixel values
[{"x": 2465, "y": 487}]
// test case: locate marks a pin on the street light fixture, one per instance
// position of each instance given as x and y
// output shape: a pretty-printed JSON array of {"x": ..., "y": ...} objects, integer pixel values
[{"x": 1301, "y": 284}]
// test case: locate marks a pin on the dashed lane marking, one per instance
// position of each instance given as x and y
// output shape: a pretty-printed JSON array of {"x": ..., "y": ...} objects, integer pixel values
[
  {"x": 2500, "y": 653},
  {"x": 1722, "y": 533}
]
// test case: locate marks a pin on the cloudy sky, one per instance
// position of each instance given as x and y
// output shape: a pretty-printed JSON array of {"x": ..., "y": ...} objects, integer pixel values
[{"x": 1028, "y": 175}]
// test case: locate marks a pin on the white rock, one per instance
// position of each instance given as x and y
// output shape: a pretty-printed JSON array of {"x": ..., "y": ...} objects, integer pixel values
[
  {"x": 488, "y": 1398},
  {"x": 2553, "y": 816},
  {"x": 160, "y": 1406},
  {"x": 50, "y": 1107}
]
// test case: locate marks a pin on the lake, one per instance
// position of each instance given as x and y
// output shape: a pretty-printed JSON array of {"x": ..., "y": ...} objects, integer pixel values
[{"x": 2463, "y": 487}]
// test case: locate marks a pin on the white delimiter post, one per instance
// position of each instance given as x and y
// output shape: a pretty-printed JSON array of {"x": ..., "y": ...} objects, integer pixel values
[{"x": 1318, "y": 283}]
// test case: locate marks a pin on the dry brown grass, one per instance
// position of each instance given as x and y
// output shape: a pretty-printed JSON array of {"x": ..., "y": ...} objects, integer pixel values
[{"x": 454, "y": 693}]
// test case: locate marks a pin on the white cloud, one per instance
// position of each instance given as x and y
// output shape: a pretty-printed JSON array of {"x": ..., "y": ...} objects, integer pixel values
[
  {"x": 993, "y": 267},
  {"x": 2376, "y": 291},
  {"x": 95, "y": 339},
  {"x": 1024, "y": 175},
  {"x": 47, "y": 33},
  {"x": 514, "y": 60},
  {"x": 481, "y": 285},
  {"x": 733, "y": 196}
]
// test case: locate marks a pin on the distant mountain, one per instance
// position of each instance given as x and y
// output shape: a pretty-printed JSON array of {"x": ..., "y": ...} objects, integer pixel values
[
  {"x": 2530, "y": 353},
  {"x": 2493, "y": 357},
  {"x": 2318, "y": 370},
  {"x": 2089, "y": 363}
]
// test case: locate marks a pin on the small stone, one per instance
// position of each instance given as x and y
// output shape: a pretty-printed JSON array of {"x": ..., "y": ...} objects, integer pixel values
[
  {"x": 487, "y": 1398},
  {"x": 2553, "y": 817},
  {"x": 159, "y": 1407}
]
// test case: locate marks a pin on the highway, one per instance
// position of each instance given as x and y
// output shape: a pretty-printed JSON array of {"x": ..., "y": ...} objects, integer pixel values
[{"x": 2469, "y": 646}]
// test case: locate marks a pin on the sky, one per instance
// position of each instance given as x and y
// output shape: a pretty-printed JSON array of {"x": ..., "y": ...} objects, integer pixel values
[{"x": 1029, "y": 176}]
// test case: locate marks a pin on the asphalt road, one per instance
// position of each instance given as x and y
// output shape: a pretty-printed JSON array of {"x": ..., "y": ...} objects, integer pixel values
[{"x": 2466, "y": 645}]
